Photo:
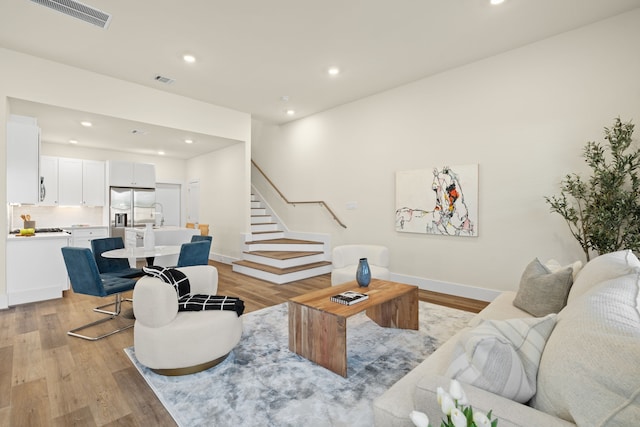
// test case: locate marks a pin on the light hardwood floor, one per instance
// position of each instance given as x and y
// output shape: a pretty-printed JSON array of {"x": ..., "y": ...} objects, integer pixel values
[{"x": 48, "y": 378}]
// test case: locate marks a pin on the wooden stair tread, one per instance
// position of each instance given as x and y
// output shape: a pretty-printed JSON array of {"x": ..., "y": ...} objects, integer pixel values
[
  {"x": 283, "y": 241},
  {"x": 280, "y": 271},
  {"x": 283, "y": 255}
]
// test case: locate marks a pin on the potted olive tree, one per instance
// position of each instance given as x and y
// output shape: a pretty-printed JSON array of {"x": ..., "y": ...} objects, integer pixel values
[{"x": 603, "y": 211}]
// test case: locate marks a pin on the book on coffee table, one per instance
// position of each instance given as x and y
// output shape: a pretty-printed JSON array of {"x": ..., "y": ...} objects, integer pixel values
[{"x": 349, "y": 297}]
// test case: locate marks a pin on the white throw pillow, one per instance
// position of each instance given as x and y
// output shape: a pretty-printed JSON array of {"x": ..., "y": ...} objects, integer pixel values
[
  {"x": 602, "y": 268},
  {"x": 589, "y": 370},
  {"x": 502, "y": 356},
  {"x": 555, "y": 266}
]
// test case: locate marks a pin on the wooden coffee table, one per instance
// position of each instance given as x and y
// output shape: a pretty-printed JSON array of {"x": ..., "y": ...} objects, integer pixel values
[{"x": 318, "y": 326}]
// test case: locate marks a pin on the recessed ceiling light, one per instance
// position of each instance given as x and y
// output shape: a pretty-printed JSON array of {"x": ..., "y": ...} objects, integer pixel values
[
  {"x": 334, "y": 71},
  {"x": 73, "y": 141},
  {"x": 161, "y": 153},
  {"x": 495, "y": 2},
  {"x": 189, "y": 58},
  {"x": 188, "y": 141},
  {"x": 291, "y": 112},
  {"x": 86, "y": 124}
]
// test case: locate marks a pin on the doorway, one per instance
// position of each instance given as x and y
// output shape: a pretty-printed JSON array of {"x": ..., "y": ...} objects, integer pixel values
[{"x": 193, "y": 201}]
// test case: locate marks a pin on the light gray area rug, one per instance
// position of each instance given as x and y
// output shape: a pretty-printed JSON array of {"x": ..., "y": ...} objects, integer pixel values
[{"x": 262, "y": 383}]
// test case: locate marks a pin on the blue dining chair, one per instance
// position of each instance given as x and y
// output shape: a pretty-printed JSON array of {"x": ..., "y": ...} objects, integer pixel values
[
  {"x": 85, "y": 279},
  {"x": 194, "y": 253},
  {"x": 199, "y": 238},
  {"x": 118, "y": 267}
]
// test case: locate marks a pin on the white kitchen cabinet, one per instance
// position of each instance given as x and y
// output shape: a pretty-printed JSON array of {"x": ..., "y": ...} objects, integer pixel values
[
  {"x": 93, "y": 186},
  {"x": 35, "y": 268},
  {"x": 69, "y": 182},
  {"x": 81, "y": 182},
  {"x": 23, "y": 160},
  {"x": 48, "y": 181},
  {"x": 81, "y": 237},
  {"x": 129, "y": 174}
]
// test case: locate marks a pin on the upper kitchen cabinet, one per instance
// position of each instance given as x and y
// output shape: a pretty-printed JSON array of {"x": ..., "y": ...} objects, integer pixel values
[
  {"x": 23, "y": 160},
  {"x": 129, "y": 174},
  {"x": 81, "y": 182},
  {"x": 48, "y": 181},
  {"x": 93, "y": 183}
]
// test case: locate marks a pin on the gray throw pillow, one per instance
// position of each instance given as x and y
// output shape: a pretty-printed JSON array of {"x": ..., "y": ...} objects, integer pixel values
[{"x": 542, "y": 292}]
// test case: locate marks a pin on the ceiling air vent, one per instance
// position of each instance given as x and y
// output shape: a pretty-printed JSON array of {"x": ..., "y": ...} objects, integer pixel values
[
  {"x": 78, "y": 10},
  {"x": 163, "y": 79}
]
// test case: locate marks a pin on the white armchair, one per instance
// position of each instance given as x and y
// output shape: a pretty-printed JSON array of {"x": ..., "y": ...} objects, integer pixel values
[
  {"x": 178, "y": 343},
  {"x": 345, "y": 262}
]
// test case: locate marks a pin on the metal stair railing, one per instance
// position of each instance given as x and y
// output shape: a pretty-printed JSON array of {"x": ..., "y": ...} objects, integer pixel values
[{"x": 310, "y": 202}]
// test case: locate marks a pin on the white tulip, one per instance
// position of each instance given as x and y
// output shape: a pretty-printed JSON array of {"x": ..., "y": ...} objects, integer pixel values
[
  {"x": 481, "y": 419},
  {"x": 419, "y": 419},
  {"x": 457, "y": 393},
  {"x": 441, "y": 393},
  {"x": 458, "y": 418},
  {"x": 447, "y": 404}
]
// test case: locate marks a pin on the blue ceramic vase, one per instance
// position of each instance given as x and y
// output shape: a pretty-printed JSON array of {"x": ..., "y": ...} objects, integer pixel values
[{"x": 363, "y": 274}]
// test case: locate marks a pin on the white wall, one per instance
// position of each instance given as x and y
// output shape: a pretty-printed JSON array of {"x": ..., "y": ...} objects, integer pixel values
[
  {"x": 224, "y": 192},
  {"x": 37, "y": 80},
  {"x": 523, "y": 116}
]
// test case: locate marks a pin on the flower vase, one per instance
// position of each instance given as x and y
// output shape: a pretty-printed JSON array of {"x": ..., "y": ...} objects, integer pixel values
[
  {"x": 363, "y": 273},
  {"x": 149, "y": 238}
]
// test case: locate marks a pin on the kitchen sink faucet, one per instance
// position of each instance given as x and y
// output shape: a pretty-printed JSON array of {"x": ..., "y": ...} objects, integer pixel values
[{"x": 161, "y": 213}]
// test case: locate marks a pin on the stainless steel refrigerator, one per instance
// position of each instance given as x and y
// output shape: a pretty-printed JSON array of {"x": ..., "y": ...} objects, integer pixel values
[{"x": 130, "y": 207}]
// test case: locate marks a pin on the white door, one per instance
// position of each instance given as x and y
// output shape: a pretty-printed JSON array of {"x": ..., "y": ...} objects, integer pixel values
[
  {"x": 168, "y": 199},
  {"x": 193, "y": 201}
]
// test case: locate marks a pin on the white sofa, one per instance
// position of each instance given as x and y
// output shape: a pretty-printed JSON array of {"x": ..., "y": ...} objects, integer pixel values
[
  {"x": 178, "y": 343},
  {"x": 589, "y": 372},
  {"x": 345, "y": 260}
]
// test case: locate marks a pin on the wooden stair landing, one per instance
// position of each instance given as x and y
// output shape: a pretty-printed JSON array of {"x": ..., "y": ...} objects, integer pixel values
[
  {"x": 282, "y": 241},
  {"x": 282, "y": 255},
  {"x": 281, "y": 271}
]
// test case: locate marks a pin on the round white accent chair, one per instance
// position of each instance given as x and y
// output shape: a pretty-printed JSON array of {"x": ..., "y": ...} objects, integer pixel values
[
  {"x": 180, "y": 343},
  {"x": 345, "y": 262}
]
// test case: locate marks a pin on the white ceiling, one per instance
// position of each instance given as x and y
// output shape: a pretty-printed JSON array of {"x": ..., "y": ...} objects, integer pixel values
[
  {"x": 252, "y": 53},
  {"x": 59, "y": 125}
]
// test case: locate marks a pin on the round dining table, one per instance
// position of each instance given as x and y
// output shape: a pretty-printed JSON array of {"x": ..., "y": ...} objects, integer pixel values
[{"x": 140, "y": 252}]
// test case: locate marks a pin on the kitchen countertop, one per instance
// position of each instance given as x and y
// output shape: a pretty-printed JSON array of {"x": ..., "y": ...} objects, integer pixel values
[{"x": 37, "y": 236}]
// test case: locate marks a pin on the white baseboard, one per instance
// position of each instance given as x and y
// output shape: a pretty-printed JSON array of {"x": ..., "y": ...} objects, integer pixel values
[
  {"x": 465, "y": 291},
  {"x": 4, "y": 302},
  {"x": 456, "y": 289},
  {"x": 222, "y": 258}
]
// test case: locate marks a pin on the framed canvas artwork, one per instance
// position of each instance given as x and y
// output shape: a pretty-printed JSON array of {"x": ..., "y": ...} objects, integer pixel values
[{"x": 442, "y": 200}]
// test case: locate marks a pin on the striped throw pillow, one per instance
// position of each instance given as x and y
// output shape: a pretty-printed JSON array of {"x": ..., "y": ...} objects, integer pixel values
[{"x": 502, "y": 356}]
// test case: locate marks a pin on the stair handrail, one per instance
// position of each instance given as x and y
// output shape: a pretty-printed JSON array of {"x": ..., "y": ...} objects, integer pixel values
[{"x": 309, "y": 202}]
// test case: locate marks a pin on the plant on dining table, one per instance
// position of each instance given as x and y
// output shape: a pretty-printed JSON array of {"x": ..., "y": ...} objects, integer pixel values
[{"x": 454, "y": 405}]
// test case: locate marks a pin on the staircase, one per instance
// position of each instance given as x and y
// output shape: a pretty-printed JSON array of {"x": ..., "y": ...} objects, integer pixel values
[{"x": 271, "y": 254}]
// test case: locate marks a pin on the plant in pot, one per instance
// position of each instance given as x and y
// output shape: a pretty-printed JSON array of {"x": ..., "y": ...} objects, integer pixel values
[{"x": 603, "y": 210}]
